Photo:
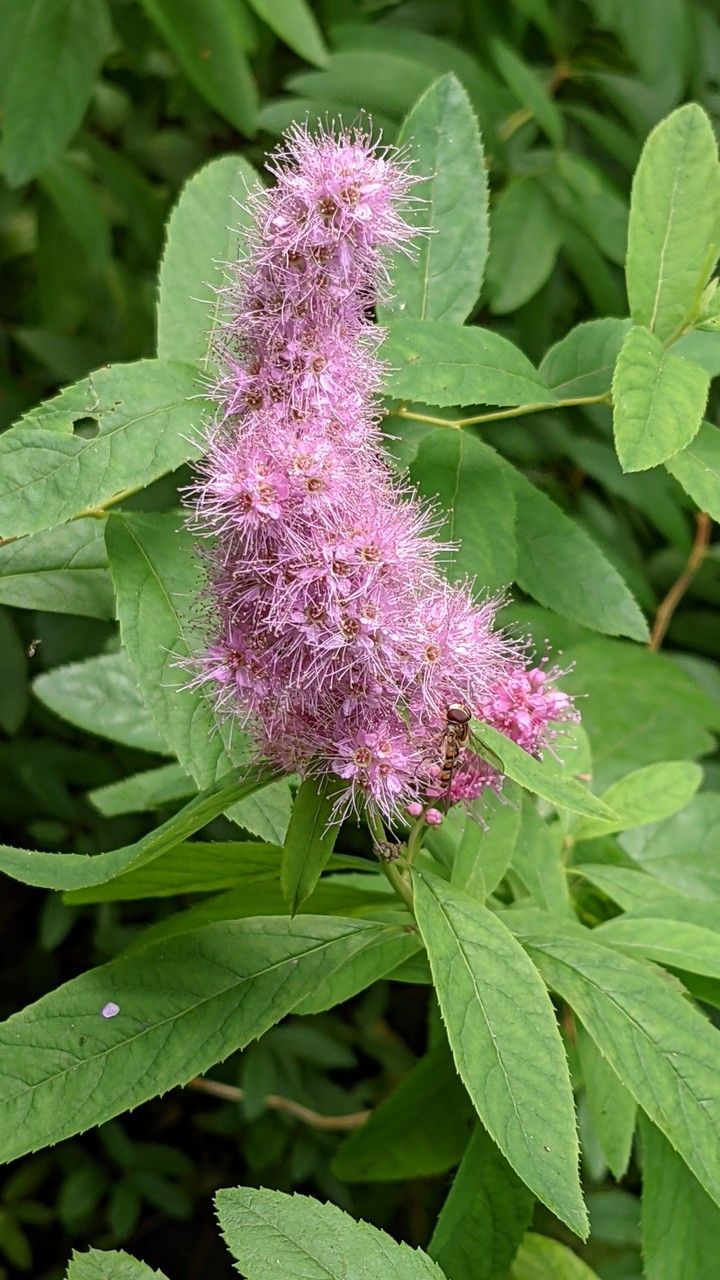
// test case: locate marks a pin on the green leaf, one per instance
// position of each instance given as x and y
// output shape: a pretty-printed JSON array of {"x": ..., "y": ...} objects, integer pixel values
[
  {"x": 582, "y": 363},
  {"x": 646, "y": 795},
  {"x": 484, "y": 1216},
  {"x": 483, "y": 854},
  {"x": 144, "y": 414},
  {"x": 62, "y": 571},
  {"x": 143, "y": 792},
  {"x": 78, "y": 205},
  {"x": 538, "y": 861},
  {"x": 540, "y": 1258},
  {"x": 77, "y": 870},
  {"x": 638, "y": 892},
  {"x": 612, "y": 1109},
  {"x": 680, "y": 1223},
  {"x": 674, "y": 943},
  {"x": 560, "y": 566},
  {"x": 58, "y": 47},
  {"x": 211, "y": 44},
  {"x": 419, "y": 1130},
  {"x": 658, "y": 401},
  {"x": 14, "y": 685},
  {"x": 376, "y": 960},
  {"x": 443, "y": 279},
  {"x": 183, "y": 1005},
  {"x": 490, "y": 995},
  {"x": 158, "y": 580},
  {"x": 673, "y": 233},
  {"x": 445, "y": 365},
  {"x": 98, "y": 1264},
  {"x": 473, "y": 488},
  {"x": 295, "y": 23},
  {"x": 100, "y": 695},
  {"x": 274, "y": 1236},
  {"x": 310, "y": 840},
  {"x": 195, "y": 866},
  {"x": 524, "y": 244},
  {"x": 383, "y": 83},
  {"x": 662, "y": 1049},
  {"x": 265, "y": 813},
  {"x": 697, "y": 468},
  {"x": 204, "y": 236},
  {"x": 545, "y": 778},
  {"x": 682, "y": 850},
  {"x": 528, "y": 89}
]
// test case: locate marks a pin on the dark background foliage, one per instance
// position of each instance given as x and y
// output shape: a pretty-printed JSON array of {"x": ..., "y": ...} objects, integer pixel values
[{"x": 159, "y": 89}]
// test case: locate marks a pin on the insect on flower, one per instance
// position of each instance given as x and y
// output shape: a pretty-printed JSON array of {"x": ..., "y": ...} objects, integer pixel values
[{"x": 457, "y": 732}]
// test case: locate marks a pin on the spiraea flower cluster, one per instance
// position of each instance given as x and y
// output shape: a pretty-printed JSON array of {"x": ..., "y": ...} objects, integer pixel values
[{"x": 338, "y": 641}]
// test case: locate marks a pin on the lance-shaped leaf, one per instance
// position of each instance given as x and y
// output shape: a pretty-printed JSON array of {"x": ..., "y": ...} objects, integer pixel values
[
  {"x": 504, "y": 1037},
  {"x": 673, "y": 232},
  {"x": 541, "y": 1258},
  {"x": 295, "y": 23},
  {"x": 310, "y": 839},
  {"x": 442, "y": 280},
  {"x": 274, "y": 1236},
  {"x": 143, "y": 792},
  {"x": 680, "y": 1223},
  {"x": 140, "y": 1025},
  {"x": 544, "y": 778},
  {"x": 679, "y": 944},
  {"x": 613, "y": 1109},
  {"x": 582, "y": 363},
  {"x": 645, "y": 795},
  {"x": 658, "y": 401},
  {"x": 526, "y": 237},
  {"x": 442, "y": 364},
  {"x": 697, "y": 468},
  {"x": 145, "y": 413},
  {"x": 59, "y": 571},
  {"x": 101, "y": 695},
  {"x": 78, "y": 870},
  {"x": 484, "y": 1216},
  {"x": 98, "y": 1264}
]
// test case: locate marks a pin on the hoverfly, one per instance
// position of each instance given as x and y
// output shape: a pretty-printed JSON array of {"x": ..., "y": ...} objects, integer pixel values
[{"x": 457, "y": 732}]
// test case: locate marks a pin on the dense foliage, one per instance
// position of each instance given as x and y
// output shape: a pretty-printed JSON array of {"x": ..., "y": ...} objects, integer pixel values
[{"x": 503, "y": 1052}]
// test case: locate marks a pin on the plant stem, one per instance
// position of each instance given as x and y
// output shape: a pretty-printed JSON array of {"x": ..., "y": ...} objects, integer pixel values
[
  {"x": 497, "y": 415},
  {"x": 391, "y": 870},
  {"x": 667, "y": 607},
  {"x": 414, "y": 840},
  {"x": 275, "y": 1102}
]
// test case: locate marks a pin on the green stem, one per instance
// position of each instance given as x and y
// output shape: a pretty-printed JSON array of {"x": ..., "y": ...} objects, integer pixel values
[
  {"x": 390, "y": 869},
  {"x": 414, "y": 840},
  {"x": 497, "y": 415}
]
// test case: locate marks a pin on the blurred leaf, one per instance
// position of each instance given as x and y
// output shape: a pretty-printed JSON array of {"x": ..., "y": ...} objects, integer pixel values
[
  {"x": 100, "y": 695},
  {"x": 489, "y": 993},
  {"x": 646, "y": 795},
  {"x": 210, "y": 43},
  {"x": 418, "y": 1130},
  {"x": 274, "y": 1236},
  {"x": 528, "y": 89},
  {"x": 442, "y": 280},
  {"x": 310, "y": 839},
  {"x": 680, "y": 1223},
  {"x": 697, "y": 468},
  {"x": 476, "y": 499},
  {"x": 524, "y": 244},
  {"x": 613, "y": 1110},
  {"x": 77, "y": 204},
  {"x": 484, "y": 1216},
  {"x": 56, "y": 49},
  {"x": 203, "y": 241},
  {"x": 545, "y": 778},
  {"x": 59, "y": 571},
  {"x": 373, "y": 82},
  {"x": 143, "y": 792},
  {"x": 674, "y": 227},
  {"x": 295, "y": 23},
  {"x": 445, "y": 365},
  {"x": 655, "y": 35},
  {"x": 682, "y": 850},
  {"x": 538, "y": 861},
  {"x": 144, "y": 412},
  {"x": 540, "y": 1258},
  {"x": 658, "y": 401},
  {"x": 585, "y": 197},
  {"x": 14, "y": 683}
]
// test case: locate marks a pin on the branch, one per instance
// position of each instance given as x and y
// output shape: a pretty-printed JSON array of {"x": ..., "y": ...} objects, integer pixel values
[
  {"x": 663, "y": 617},
  {"x": 498, "y": 414},
  {"x": 273, "y": 1101}
]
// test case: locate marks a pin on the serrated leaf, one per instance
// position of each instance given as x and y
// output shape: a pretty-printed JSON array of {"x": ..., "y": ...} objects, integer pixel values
[
  {"x": 682, "y": 849},
  {"x": 612, "y": 1109},
  {"x": 538, "y": 862},
  {"x": 59, "y": 571},
  {"x": 540, "y": 1258},
  {"x": 646, "y": 795},
  {"x": 545, "y": 778},
  {"x": 582, "y": 363},
  {"x": 77, "y": 870},
  {"x": 658, "y": 401},
  {"x": 442, "y": 364},
  {"x": 524, "y": 244},
  {"x": 203, "y": 238},
  {"x": 472, "y": 486},
  {"x": 295, "y": 23},
  {"x": 195, "y": 866},
  {"x": 697, "y": 468},
  {"x": 99, "y": 1264},
  {"x": 638, "y": 892},
  {"x": 376, "y": 960},
  {"x": 673, "y": 231},
  {"x": 183, "y": 1005},
  {"x": 442, "y": 280},
  {"x": 419, "y": 1130},
  {"x": 211, "y": 43},
  {"x": 678, "y": 944},
  {"x": 528, "y": 89},
  {"x": 142, "y": 792},
  {"x": 58, "y": 47},
  {"x": 680, "y": 1223},
  {"x": 662, "y": 1049},
  {"x": 101, "y": 695},
  {"x": 310, "y": 840},
  {"x": 144, "y": 413},
  {"x": 274, "y": 1236},
  {"x": 492, "y": 1000},
  {"x": 484, "y": 1216},
  {"x": 483, "y": 854}
]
